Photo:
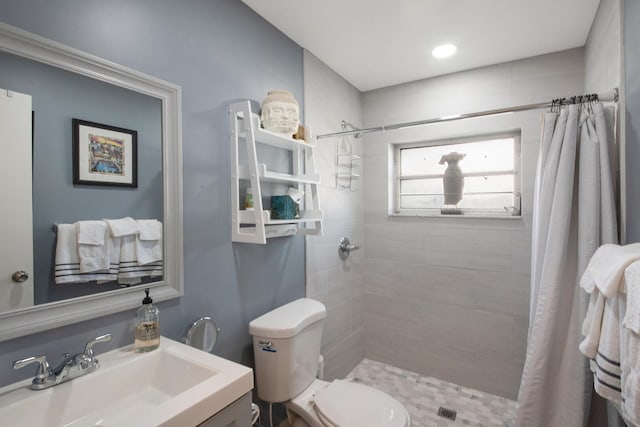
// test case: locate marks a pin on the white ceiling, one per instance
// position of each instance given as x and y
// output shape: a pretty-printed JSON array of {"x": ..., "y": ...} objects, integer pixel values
[{"x": 379, "y": 43}]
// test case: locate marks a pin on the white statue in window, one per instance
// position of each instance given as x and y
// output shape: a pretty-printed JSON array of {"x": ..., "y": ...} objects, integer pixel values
[
  {"x": 280, "y": 112},
  {"x": 453, "y": 179}
]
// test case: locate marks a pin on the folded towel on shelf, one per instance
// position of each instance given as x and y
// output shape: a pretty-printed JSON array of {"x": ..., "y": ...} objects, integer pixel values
[
  {"x": 606, "y": 268},
  {"x": 93, "y": 250},
  {"x": 67, "y": 260},
  {"x": 123, "y": 226},
  {"x": 149, "y": 242}
]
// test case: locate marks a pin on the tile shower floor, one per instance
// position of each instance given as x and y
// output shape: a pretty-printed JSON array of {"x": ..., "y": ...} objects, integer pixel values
[{"x": 423, "y": 396}]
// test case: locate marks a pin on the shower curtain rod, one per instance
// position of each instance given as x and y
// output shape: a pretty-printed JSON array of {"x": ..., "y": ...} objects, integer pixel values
[{"x": 611, "y": 96}]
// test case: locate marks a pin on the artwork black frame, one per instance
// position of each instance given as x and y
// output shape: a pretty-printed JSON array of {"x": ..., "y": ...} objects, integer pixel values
[{"x": 104, "y": 155}]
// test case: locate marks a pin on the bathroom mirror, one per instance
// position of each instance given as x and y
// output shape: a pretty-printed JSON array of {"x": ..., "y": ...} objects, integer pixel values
[{"x": 164, "y": 100}]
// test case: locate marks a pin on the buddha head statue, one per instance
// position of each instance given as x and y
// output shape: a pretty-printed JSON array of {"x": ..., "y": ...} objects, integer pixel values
[{"x": 280, "y": 112}]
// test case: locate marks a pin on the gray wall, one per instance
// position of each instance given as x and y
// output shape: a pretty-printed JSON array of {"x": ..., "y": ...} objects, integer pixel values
[
  {"x": 58, "y": 96},
  {"x": 603, "y": 49},
  {"x": 603, "y": 71},
  {"x": 631, "y": 16},
  {"x": 219, "y": 52}
]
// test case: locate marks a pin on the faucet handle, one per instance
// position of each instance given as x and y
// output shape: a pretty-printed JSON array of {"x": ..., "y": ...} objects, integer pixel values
[
  {"x": 43, "y": 372},
  {"x": 88, "y": 349}
]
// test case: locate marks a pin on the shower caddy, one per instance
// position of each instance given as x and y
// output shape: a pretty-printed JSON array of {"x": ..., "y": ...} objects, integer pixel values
[
  {"x": 347, "y": 162},
  {"x": 255, "y": 226}
]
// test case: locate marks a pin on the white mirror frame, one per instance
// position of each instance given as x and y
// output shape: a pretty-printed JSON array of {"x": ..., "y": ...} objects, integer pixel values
[{"x": 52, "y": 315}]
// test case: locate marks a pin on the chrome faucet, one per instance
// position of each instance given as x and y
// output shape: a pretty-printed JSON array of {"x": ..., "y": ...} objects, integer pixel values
[{"x": 69, "y": 368}]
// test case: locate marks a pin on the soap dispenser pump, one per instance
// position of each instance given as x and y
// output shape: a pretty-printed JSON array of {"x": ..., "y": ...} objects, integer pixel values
[{"x": 147, "y": 332}]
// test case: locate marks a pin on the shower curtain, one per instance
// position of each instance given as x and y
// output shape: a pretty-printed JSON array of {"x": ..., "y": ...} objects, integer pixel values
[{"x": 574, "y": 213}]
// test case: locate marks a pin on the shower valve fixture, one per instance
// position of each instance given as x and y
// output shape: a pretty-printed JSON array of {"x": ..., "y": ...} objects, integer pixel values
[{"x": 345, "y": 247}]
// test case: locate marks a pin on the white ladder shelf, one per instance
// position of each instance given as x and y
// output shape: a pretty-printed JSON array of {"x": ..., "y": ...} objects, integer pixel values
[{"x": 255, "y": 226}]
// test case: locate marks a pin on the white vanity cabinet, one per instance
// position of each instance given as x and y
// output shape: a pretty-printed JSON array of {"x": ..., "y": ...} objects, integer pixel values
[
  {"x": 249, "y": 172},
  {"x": 238, "y": 414}
]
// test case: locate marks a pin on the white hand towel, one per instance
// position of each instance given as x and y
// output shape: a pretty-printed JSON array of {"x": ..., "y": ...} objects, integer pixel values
[
  {"x": 114, "y": 259},
  {"x": 127, "y": 271},
  {"x": 632, "y": 282},
  {"x": 123, "y": 226},
  {"x": 130, "y": 272},
  {"x": 150, "y": 229},
  {"x": 91, "y": 232},
  {"x": 149, "y": 242},
  {"x": 92, "y": 249},
  {"x": 67, "y": 264},
  {"x": 606, "y": 268}
]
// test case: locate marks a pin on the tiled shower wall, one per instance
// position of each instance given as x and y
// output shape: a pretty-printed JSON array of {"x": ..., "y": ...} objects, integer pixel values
[
  {"x": 449, "y": 297},
  {"x": 329, "y": 99}
]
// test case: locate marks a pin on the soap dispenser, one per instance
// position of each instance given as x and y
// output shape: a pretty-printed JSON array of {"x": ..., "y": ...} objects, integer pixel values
[{"x": 147, "y": 332}]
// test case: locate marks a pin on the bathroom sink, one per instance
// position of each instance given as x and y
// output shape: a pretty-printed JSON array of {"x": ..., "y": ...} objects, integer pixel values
[{"x": 175, "y": 385}]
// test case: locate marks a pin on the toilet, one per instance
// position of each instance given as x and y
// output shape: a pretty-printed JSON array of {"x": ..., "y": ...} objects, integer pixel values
[{"x": 286, "y": 345}]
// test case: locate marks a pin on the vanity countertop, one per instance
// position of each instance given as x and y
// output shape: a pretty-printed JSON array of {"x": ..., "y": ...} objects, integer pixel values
[{"x": 174, "y": 385}]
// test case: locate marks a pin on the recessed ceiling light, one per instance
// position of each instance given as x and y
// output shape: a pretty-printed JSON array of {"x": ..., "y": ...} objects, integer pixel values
[{"x": 444, "y": 50}]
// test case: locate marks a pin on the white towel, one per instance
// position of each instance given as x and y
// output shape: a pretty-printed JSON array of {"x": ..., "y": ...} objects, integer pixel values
[
  {"x": 123, "y": 226},
  {"x": 130, "y": 272},
  {"x": 631, "y": 376},
  {"x": 606, "y": 268},
  {"x": 149, "y": 242},
  {"x": 632, "y": 284},
  {"x": 92, "y": 248},
  {"x": 127, "y": 275},
  {"x": 91, "y": 232},
  {"x": 67, "y": 264},
  {"x": 606, "y": 366},
  {"x": 592, "y": 325},
  {"x": 150, "y": 229}
]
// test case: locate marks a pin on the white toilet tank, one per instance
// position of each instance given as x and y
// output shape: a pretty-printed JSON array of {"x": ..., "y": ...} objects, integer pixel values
[{"x": 286, "y": 346}]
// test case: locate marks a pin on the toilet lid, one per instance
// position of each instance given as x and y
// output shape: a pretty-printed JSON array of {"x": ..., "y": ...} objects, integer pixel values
[{"x": 344, "y": 403}]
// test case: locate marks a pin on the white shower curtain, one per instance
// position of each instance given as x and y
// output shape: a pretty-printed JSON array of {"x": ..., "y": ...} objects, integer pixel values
[{"x": 574, "y": 212}]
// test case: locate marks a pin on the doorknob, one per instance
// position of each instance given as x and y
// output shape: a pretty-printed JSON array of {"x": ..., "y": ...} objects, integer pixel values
[{"x": 20, "y": 276}]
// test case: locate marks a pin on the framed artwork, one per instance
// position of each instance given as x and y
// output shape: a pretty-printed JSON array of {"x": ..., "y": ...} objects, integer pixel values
[{"x": 104, "y": 155}]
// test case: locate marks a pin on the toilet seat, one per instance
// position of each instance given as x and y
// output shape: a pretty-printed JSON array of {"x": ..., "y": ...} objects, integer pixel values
[{"x": 348, "y": 404}]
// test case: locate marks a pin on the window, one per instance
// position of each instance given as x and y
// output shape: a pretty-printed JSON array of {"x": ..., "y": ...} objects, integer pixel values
[{"x": 485, "y": 168}]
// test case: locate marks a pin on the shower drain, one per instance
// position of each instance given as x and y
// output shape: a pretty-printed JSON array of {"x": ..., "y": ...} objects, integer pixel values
[{"x": 449, "y": 414}]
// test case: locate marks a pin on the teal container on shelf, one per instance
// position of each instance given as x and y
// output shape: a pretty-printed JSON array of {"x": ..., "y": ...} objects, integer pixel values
[{"x": 283, "y": 207}]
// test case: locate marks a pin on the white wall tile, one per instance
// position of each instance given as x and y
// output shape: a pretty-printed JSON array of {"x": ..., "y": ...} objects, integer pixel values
[
  {"x": 329, "y": 99},
  {"x": 450, "y": 297}
]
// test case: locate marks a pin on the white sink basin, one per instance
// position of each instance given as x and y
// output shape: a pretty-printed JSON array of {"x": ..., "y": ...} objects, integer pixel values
[{"x": 175, "y": 385}]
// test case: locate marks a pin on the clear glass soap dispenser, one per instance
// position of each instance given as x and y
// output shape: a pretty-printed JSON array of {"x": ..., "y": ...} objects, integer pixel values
[{"x": 147, "y": 332}]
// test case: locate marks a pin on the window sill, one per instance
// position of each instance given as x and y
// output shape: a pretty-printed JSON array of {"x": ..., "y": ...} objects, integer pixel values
[{"x": 468, "y": 216}]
